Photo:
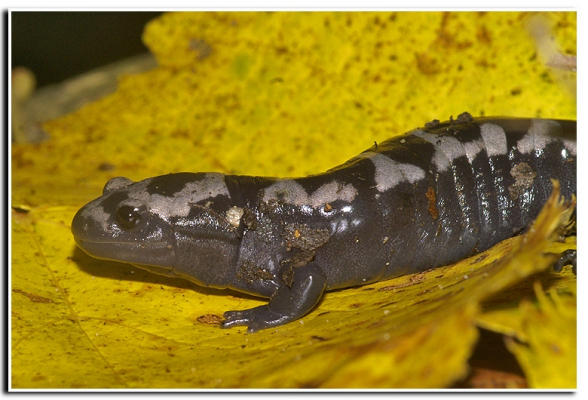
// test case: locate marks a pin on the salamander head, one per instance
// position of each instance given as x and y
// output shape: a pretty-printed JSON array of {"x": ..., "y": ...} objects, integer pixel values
[{"x": 170, "y": 224}]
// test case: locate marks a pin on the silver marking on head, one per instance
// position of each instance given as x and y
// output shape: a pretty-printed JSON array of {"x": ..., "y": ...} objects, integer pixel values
[
  {"x": 180, "y": 203},
  {"x": 95, "y": 212},
  {"x": 447, "y": 148},
  {"x": 177, "y": 205},
  {"x": 234, "y": 215},
  {"x": 494, "y": 139},
  {"x": 390, "y": 173},
  {"x": 538, "y": 136},
  {"x": 291, "y": 192}
]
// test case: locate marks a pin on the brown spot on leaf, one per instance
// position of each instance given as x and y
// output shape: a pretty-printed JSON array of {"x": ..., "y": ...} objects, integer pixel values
[
  {"x": 479, "y": 259},
  {"x": 413, "y": 280},
  {"x": 448, "y": 38},
  {"x": 516, "y": 91},
  {"x": 281, "y": 49},
  {"x": 483, "y": 35},
  {"x": 201, "y": 48},
  {"x": 33, "y": 297},
  {"x": 427, "y": 64},
  {"x": 482, "y": 62},
  {"x": 38, "y": 377},
  {"x": 210, "y": 319},
  {"x": 105, "y": 166}
]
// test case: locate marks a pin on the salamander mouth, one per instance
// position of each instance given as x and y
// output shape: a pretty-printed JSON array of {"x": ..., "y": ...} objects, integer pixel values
[
  {"x": 159, "y": 254},
  {"x": 113, "y": 245},
  {"x": 157, "y": 269}
]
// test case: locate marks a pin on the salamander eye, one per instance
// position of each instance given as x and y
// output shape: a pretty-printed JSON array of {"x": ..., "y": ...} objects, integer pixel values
[{"x": 128, "y": 217}]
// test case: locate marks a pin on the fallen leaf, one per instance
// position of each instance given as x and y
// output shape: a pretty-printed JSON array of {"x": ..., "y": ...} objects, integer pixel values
[
  {"x": 548, "y": 353},
  {"x": 301, "y": 93}
]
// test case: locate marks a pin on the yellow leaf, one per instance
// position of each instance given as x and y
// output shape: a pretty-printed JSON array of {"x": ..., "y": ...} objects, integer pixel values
[
  {"x": 413, "y": 331},
  {"x": 502, "y": 313},
  {"x": 267, "y": 94},
  {"x": 548, "y": 355}
]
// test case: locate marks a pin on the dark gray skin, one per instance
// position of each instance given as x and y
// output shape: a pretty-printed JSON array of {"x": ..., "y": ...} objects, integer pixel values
[{"x": 415, "y": 202}]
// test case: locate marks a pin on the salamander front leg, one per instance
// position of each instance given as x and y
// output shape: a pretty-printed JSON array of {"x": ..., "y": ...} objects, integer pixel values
[{"x": 286, "y": 304}]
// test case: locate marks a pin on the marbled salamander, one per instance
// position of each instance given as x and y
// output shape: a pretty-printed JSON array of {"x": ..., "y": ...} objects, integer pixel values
[{"x": 426, "y": 199}]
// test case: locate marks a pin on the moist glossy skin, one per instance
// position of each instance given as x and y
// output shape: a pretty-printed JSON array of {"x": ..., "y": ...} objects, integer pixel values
[{"x": 419, "y": 201}]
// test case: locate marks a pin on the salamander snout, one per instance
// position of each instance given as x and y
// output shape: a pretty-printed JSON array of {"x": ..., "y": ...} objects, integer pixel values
[
  {"x": 80, "y": 225},
  {"x": 87, "y": 226}
]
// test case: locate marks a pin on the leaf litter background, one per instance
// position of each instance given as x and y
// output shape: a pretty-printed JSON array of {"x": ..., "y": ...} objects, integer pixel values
[{"x": 287, "y": 94}]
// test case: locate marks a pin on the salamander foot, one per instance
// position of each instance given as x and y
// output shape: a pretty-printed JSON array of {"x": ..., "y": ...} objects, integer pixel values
[{"x": 286, "y": 304}]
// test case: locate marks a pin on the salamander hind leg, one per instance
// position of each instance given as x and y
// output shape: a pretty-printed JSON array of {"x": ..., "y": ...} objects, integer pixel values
[
  {"x": 286, "y": 304},
  {"x": 568, "y": 257}
]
